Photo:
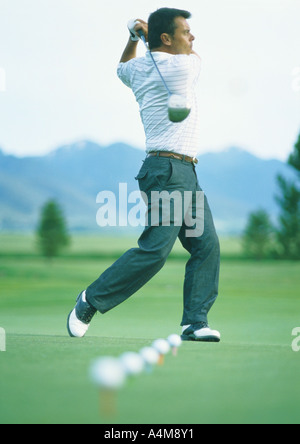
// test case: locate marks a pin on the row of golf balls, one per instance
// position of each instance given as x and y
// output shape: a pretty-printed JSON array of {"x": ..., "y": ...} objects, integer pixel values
[{"x": 111, "y": 373}]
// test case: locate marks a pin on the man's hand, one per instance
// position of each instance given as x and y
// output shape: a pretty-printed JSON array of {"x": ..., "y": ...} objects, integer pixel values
[
  {"x": 141, "y": 25},
  {"x": 131, "y": 48}
]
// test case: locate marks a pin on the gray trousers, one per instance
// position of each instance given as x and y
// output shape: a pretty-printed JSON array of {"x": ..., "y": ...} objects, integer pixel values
[{"x": 138, "y": 265}]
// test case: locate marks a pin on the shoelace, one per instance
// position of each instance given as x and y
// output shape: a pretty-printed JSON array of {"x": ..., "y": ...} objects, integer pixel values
[
  {"x": 200, "y": 325},
  {"x": 87, "y": 313}
]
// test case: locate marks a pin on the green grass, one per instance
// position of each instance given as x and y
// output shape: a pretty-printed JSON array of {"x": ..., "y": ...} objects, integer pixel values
[{"x": 252, "y": 376}]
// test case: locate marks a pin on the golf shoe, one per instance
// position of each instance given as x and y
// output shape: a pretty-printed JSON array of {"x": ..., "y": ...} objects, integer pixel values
[
  {"x": 200, "y": 332},
  {"x": 80, "y": 318}
]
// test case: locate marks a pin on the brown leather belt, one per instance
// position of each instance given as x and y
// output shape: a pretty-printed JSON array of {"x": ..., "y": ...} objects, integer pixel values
[{"x": 193, "y": 160}]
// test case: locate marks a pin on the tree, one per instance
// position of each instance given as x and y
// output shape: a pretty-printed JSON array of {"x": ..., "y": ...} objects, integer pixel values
[
  {"x": 288, "y": 233},
  {"x": 257, "y": 237},
  {"x": 294, "y": 159},
  {"x": 52, "y": 231}
]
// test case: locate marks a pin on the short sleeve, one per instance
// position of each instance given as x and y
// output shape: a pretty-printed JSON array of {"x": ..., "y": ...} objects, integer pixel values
[{"x": 124, "y": 71}]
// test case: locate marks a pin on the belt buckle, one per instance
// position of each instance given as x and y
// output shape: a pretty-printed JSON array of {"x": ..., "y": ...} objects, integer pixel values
[{"x": 195, "y": 160}]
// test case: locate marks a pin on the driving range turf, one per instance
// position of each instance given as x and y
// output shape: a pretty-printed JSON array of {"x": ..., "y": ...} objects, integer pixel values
[{"x": 252, "y": 376}]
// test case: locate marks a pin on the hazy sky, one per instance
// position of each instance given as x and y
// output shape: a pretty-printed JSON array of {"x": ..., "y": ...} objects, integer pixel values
[{"x": 58, "y": 81}]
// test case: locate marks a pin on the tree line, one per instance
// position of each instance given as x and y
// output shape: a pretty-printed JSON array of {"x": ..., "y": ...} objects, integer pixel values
[{"x": 262, "y": 238}]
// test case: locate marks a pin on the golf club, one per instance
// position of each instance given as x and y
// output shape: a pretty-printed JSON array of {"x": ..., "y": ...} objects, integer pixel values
[{"x": 178, "y": 108}]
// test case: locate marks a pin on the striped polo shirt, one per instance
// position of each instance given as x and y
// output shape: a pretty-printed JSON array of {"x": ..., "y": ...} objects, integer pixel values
[{"x": 181, "y": 73}]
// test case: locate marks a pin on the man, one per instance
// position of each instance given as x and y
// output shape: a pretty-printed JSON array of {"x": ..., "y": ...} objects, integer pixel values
[{"x": 169, "y": 166}]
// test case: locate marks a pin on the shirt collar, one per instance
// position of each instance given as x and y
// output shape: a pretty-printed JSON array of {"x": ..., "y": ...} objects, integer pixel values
[{"x": 159, "y": 55}]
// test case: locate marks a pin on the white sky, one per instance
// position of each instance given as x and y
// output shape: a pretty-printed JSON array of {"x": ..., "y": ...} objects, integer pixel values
[{"x": 59, "y": 59}]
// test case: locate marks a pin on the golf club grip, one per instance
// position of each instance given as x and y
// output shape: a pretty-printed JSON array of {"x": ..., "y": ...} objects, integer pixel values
[{"x": 142, "y": 35}]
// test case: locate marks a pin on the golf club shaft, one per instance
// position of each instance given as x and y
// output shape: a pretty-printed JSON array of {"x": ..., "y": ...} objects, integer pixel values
[{"x": 141, "y": 34}]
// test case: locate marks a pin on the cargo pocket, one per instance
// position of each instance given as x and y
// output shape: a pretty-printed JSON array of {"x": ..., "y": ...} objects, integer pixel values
[
  {"x": 142, "y": 174},
  {"x": 142, "y": 179},
  {"x": 156, "y": 175}
]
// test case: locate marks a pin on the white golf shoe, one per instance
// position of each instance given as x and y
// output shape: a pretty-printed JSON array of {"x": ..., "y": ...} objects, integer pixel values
[
  {"x": 200, "y": 332},
  {"x": 80, "y": 318}
]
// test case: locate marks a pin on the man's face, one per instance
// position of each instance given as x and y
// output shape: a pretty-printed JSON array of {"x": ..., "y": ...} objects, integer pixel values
[{"x": 182, "y": 42}]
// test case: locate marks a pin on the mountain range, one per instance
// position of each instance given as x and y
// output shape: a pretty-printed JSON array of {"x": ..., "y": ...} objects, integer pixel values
[{"x": 235, "y": 182}]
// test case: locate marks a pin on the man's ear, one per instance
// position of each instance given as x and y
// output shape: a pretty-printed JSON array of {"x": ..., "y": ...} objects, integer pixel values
[{"x": 166, "y": 39}]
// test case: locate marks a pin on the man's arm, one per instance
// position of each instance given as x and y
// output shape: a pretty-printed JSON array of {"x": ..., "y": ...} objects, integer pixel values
[
  {"x": 129, "y": 52},
  {"x": 131, "y": 47}
]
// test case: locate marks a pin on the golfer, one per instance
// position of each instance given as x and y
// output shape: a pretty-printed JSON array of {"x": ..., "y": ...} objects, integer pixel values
[{"x": 169, "y": 166}]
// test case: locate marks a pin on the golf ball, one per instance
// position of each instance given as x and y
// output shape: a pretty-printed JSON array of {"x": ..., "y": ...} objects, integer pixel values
[
  {"x": 149, "y": 355},
  {"x": 132, "y": 363},
  {"x": 161, "y": 346},
  {"x": 174, "y": 340},
  {"x": 107, "y": 372}
]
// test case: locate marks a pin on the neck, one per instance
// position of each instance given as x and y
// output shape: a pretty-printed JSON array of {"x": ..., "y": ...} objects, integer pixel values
[{"x": 166, "y": 49}]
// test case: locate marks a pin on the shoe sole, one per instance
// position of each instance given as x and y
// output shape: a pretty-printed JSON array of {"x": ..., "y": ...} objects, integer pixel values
[
  {"x": 68, "y": 320},
  {"x": 203, "y": 339},
  {"x": 68, "y": 328}
]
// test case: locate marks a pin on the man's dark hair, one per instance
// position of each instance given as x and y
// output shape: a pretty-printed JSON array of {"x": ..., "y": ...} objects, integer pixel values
[{"x": 163, "y": 21}]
